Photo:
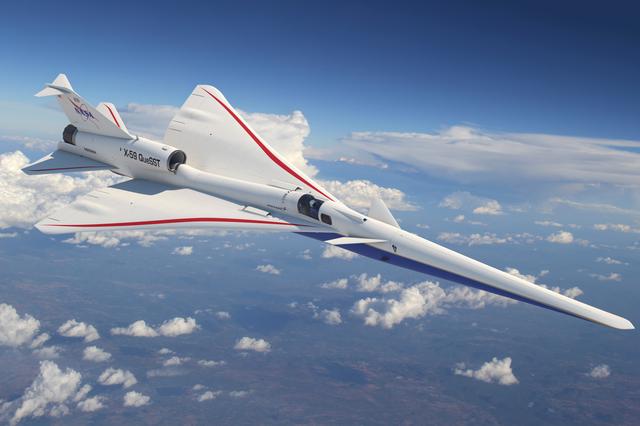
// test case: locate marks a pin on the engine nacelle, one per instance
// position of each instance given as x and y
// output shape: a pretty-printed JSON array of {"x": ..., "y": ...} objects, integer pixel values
[{"x": 129, "y": 156}]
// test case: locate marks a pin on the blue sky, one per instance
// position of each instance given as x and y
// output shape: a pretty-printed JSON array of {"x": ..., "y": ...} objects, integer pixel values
[
  {"x": 507, "y": 132},
  {"x": 355, "y": 66}
]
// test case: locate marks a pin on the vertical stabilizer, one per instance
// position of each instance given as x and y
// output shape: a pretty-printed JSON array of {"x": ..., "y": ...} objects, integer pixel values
[{"x": 379, "y": 211}]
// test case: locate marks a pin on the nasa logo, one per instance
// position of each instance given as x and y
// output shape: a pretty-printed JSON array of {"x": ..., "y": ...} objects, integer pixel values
[{"x": 82, "y": 110}]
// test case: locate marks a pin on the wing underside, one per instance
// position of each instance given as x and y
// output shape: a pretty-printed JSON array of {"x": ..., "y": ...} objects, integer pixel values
[{"x": 138, "y": 204}]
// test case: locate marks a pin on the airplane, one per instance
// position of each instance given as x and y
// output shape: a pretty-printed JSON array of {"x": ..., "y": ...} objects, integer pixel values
[{"x": 212, "y": 170}]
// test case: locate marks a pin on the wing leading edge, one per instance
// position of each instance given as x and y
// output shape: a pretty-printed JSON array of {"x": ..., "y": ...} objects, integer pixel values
[{"x": 218, "y": 140}]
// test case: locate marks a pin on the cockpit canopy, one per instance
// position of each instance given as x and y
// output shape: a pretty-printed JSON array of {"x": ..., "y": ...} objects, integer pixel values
[{"x": 309, "y": 206}]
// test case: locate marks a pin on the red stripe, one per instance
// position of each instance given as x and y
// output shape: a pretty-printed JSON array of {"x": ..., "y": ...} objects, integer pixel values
[
  {"x": 266, "y": 150},
  {"x": 182, "y": 220},
  {"x": 113, "y": 115},
  {"x": 65, "y": 168}
]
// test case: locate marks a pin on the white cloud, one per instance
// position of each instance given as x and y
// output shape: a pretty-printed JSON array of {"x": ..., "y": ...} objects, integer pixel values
[
  {"x": 463, "y": 296},
  {"x": 601, "y": 371},
  {"x": 613, "y": 276},
  {"x": 340, "y": 283},
  {"x": 73, "y": 328},
  {"x": 494, "y": 371},
  {"x": 170, "y": 328},
  {"x": 178, "y": 326},
  {"x": 414, "y": 302},
  {"x": 14, "y": 329},
  {"x": 92, "y": 404},
  {"x": 95, "y": 354},
  {"x": 210, "y": 363},
  {"x": 561, "y": 237},
  {"x": 135, "y": 399},
  {"x": 359, "y": 193},
  {"x": 112, "y": 376},
  {"x": 473, "y": 239},
  {"x": 183, "y": 251},
  {"x": 8, "y": 235},
  {"x": 331, "y": 317},
  {"x": 252, "y": 344},
  {"x": 223, "y": 315},
  {"x": 120, "y": 238},
  {"x": 548, "y": 223},
  {"x": 335, "y": 252},
  {"x": 175, "y": 360},
  {"x": 618, "y": 227},
  {"x": 47, "y": 352},
  {"x": 268, "y": 269},
  {"x": 239, "y": 394},
  {"x": 458, "y": 219},
  {"x": 209, "y": 395},
  {"x": 31, "y": 143},
  {"x": 491, "y": 207},
  {"x": 136, "y": 329},
  {"x": 35, "y": 343},
  {"x": 374, "y": 283},
  {"x": 82, "y": 393},
  {"x": 467, "y": 154},
  {"x": 52, "y": 387},
  {"x": 165, "y": 351},
  {"x": 609, "y": 261},
  {"x": 27, "y": 199}
]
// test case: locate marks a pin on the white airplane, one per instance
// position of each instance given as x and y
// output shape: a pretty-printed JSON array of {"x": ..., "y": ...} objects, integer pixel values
[{"x": 213, "y": 171}]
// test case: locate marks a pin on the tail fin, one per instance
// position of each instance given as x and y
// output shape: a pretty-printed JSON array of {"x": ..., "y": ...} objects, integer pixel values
[
  {"x": 82, "y": 114},
  {"x": 109, "y": 110}
]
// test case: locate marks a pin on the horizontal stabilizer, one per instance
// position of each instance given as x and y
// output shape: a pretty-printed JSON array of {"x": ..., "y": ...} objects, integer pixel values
[
  {"x": 340, "y": 241},
  {"x": 64, "y": 162},
  {"x": 140, "y": 204}
]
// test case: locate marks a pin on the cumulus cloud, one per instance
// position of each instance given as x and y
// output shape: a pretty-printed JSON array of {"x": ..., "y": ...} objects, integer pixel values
[
  {"x": 170, "y": 328},
  {"x": 252, "y": 344},
  {"x": 209, "y": 395},
  {"x": 473, "y": 239},
  {"x": 239, "y": 394},
  {"x": 136, "y": 399},
  {"x": 48, "y": 392},
  {"x": 92, "y": 404},
  {"x": 175, "y": 360},
  {"x": 27, "y": 199},
  {"x": 95, "y": 354},
  {"x": 618, "y": 227},
  {"x": 491, "y": 207},
  {"x": 210, "y": 363},
  {"x": 612, "y": 276},
  {"x": 137, "y": 329},
  {"x": 494, "y": 371},
  {"x": 375, "y": 283},
  {"x": 178, "y": 326},
  {"x": 38, "y": 341},
  {"x": 268, "y": 269},
  {"x": 340, "y": 283},
  {"x": 359, "y": 193},
  {"x": 335, "y": 252},
  {"x": 223, "y": 315},
  {"x": 414, "y": 302},
  {"x": 47, "y": 352},
  {"x": 183, "y": 251},
  {"x": 16, "y": 330},
  {"x": 331, "y": 317},
  {"x": 73, "y": 328},
  {"x": 561, "y": 237},
  {"x": 610, "y": 261},
  {"x": 112, "y": 376},
  {"x": 601, "y": 371}
]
